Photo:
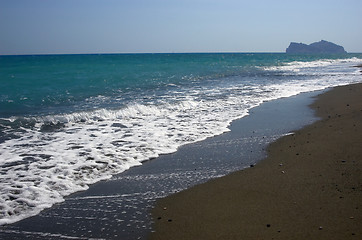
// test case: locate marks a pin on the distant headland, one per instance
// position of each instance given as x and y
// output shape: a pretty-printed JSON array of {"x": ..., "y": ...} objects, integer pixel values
[{"x": 314, "y": 48}]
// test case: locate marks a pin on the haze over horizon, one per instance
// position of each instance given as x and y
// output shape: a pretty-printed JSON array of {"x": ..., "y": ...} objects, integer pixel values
[{"x": 166, "y": 26}]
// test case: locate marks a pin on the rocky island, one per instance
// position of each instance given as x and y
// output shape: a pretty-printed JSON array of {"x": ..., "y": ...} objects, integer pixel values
[{"x": 315, "y": 48}]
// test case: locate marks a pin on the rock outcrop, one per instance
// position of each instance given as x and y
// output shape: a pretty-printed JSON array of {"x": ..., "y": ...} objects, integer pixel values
[{"x": 314, "y": 48}]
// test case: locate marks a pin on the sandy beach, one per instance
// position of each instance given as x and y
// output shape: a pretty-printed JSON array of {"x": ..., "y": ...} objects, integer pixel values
[{"x": 309, "y": 186}]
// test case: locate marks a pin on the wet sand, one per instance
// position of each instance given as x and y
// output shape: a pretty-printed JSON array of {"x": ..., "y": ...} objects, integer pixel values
[{"x": 309, "y": 186}]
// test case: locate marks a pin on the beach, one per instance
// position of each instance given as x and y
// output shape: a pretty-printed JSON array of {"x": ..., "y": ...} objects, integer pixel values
[
  {"x": 309, "y": 186},
  {"x": 119, "y": 207},
  {"x": 93, "y": 168}
]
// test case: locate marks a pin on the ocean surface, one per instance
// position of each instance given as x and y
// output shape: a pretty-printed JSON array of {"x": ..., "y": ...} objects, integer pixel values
[{"x": 68, "y": 121}]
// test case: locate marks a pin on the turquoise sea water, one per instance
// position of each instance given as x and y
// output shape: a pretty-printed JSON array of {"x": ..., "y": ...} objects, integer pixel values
[
  {"x": 68, "y": 121},
  {"x": 38, "y": 85}
]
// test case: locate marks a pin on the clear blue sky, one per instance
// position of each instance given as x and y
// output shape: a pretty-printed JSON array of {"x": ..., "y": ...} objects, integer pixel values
[{"x": 120, "y": 26}]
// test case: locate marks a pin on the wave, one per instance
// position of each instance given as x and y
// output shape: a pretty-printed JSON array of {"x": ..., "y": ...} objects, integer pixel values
[{"x": 297, "y": 66}]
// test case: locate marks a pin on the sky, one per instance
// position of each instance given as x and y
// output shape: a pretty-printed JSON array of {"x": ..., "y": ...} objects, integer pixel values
[{"x": 167, "y": 26}]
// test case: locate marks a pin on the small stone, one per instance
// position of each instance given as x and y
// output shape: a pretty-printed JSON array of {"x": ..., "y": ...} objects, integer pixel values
[
  {"x": 268, "y": 225},
  {"x": 351, "y": 217},
  {"x": 170, "y": 220},
  {"x": 165, "y": 208},
  {"x": 283, "y": 172},
  {"x": 320, "y": 228}
]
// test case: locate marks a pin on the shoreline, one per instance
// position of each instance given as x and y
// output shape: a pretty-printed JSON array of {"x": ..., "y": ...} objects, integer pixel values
[
  {"x": 131, "y": 195},
  {"x": 309, "y": 186}
]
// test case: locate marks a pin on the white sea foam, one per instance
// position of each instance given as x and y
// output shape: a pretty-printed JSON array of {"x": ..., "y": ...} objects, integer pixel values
[
  {"x": 54, "y": 156},
  {"x": 313, "y": 66}
]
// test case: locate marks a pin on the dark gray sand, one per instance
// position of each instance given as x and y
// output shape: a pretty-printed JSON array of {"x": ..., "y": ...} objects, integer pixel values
[
  {"x": 309, "y": 187},
  {"x": 119, "y": 208}
]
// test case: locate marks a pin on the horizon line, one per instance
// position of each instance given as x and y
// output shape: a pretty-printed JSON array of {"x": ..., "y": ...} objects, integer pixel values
[
  {"x": 134, "y": 53},
  {"x": 150, "y": 53}
]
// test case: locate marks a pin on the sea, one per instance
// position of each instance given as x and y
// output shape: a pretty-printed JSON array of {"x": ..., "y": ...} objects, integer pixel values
[{"x": 69, "y": 121}]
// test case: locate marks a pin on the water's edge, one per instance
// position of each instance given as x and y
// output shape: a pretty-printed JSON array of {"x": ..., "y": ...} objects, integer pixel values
[
  {"x": 49, "y": 156},
  {"x": 119, "y": 208}
]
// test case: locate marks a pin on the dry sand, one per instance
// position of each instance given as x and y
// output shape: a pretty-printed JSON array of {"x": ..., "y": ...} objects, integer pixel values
[{"x": 309, "y": 187}]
